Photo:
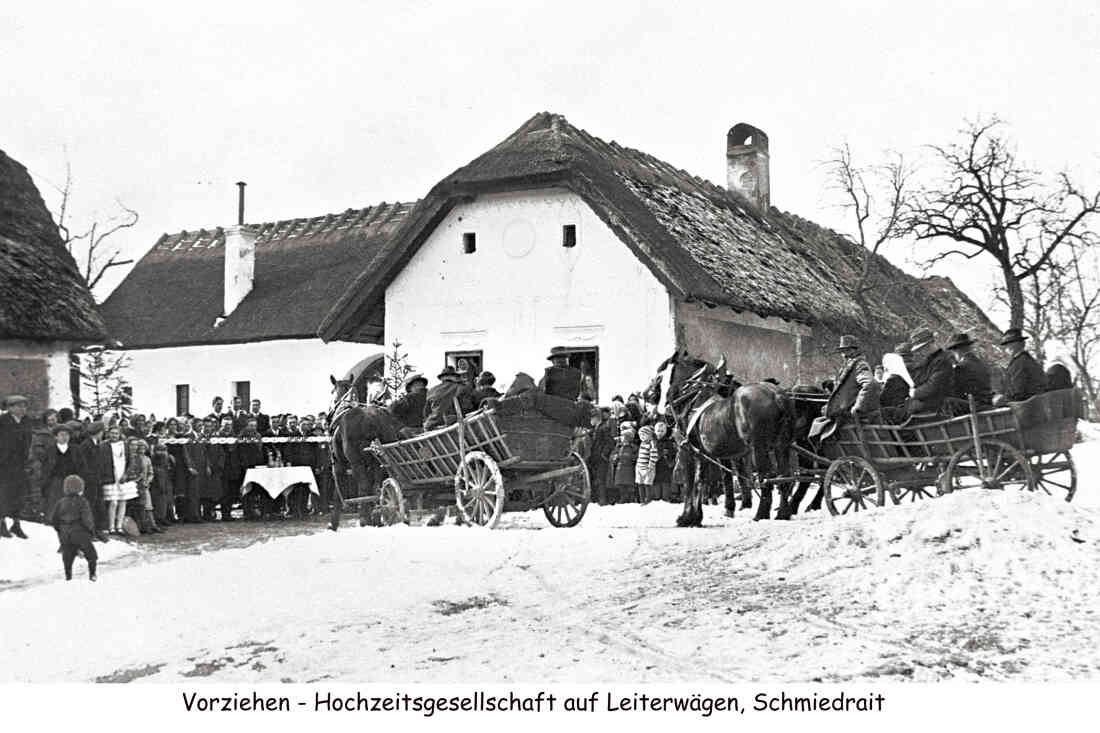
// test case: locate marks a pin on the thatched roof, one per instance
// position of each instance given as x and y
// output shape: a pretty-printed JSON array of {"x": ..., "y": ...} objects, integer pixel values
[
  {"x": 701, "y": 241},
  {"x": 44, "y": 298},
  {"x": 174, "y": 294}
]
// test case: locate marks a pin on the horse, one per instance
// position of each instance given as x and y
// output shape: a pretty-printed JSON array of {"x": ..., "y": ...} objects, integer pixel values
[
  {"x": 740, "y": 425},
  {"x": 353, "y": 427}
]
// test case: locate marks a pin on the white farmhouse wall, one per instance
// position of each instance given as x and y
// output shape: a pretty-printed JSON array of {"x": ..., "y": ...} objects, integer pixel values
[
  {"x": 287, "y": 375},
  {"x": 522, "y": 293}
]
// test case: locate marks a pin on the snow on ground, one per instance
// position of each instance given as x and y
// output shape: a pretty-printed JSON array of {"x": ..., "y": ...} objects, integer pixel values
[{"x": 976, "y": 585}]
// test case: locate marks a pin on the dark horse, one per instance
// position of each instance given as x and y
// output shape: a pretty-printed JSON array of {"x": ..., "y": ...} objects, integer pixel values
[
  {"x": 352, "y": 429},
  {"x": 748, "y": 426}
]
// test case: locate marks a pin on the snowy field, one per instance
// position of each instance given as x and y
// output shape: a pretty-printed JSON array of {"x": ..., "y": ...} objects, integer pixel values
[{"x": 968, "y": 587}]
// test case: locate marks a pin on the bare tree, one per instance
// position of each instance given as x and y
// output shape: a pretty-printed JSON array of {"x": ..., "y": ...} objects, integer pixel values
[
  {"x": 1041, "y": 293},
  {"x": 90, "y": 247},
  {"x": 1076, "y": 315},
  {"x": 876, "y": 196},
  {"x": 987, "y": 201}
]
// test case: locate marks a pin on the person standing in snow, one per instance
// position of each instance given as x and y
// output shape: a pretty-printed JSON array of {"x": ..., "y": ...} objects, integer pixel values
[
  {"x": 72, "y": 519},
  {"x": 645, "y": 467}
]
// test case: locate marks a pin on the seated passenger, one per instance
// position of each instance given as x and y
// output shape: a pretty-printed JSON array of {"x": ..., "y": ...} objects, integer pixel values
[
  {"x": 439, "y": 407},
  {"x": 971, "y": 373},
  {"x": 1024, "y": 377},
  {"x": 409, "y": 407},
  {"x": 560, "y": 379},
  {"x": 1058, "y": 377},
  {"x": 933, "y": 374}
]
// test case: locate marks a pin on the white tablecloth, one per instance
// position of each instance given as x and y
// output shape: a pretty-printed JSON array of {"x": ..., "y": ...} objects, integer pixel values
[{"x": 276, "y": 480}]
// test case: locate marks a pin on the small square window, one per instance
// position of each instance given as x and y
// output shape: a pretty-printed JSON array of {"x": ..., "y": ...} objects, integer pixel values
[
  {"x": 469, "y": 243},
  {"x": 569, "y": 235}
]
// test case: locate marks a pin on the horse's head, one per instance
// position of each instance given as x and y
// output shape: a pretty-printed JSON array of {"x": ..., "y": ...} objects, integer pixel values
[
  {"x": 673, "y": 375},
  {"x": 341, "y": 390}
]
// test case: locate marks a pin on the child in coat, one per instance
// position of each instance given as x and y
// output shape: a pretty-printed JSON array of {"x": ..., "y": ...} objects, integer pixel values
[
  {"x": 624, "y": 457},
  {"x": 146, "y": 522},
  {"x": 645, "y": 468},
  {"x": 72, "y": 518},
  {"x": 666, "y": 462}
]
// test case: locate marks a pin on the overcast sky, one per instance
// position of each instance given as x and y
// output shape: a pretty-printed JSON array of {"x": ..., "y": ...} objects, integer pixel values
[{"x": 321, "y": 106}]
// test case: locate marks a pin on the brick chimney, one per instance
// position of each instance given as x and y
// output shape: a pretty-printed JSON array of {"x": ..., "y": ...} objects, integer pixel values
[
  {"x": 747, "y": 164},
  {"x": 240, "y": 265}
]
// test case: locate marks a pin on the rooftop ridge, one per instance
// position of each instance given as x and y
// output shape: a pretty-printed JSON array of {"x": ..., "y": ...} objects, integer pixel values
[{"x": 379, "y": 214}]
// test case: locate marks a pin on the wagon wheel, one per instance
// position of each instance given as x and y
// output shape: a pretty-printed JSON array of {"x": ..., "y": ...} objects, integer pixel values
[
  {"x": 479, "y": 490},
  {"x": 919, "y": 492},
  {"x": 568, "y": 496},
  {"x": 852, "y": 483},
  {"x": 391, "y": 504},
  {"x": 995, "y": 465},
  {"x": 1055, "y": 474}
]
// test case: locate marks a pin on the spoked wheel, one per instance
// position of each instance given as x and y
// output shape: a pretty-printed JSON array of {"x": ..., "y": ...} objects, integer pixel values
[
  {"x": 853, "y": 484},
  {"x": 918, "y": 490},
  {"x": 995, "y": 465},
  {"x": 1055, "y": 474},
  {"x": 479, "y": 490},
  {"x": 391, "y": 504},
  {"x": 568, "y": 496}
]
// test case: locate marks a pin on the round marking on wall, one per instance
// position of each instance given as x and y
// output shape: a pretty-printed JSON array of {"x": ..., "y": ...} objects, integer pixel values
[{"x": 519, "y": 238}]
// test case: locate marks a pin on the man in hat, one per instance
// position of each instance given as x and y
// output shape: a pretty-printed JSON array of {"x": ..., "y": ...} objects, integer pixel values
[
  {"x": 560, "y": 379},
  {"x": 1024, "y": 377},
  {"x": 95, "y": 474},
  {"x": 855, "y": 392},
  {"x": 971, "y": 373},
  {"x": 15, "y": 447},
  {"x": 933, "y": 374},
  {"x": 439, "y": 407},
  {"x": 409, "y": 407},
  {"x": 61, "y": 459}
]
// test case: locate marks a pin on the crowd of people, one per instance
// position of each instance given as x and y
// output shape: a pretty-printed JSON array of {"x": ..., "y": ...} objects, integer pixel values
[{"x": 131, "y": 468}]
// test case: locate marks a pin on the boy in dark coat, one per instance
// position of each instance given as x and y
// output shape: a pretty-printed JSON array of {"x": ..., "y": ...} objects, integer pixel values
[
  {"x": 95, "y": 475},
  {"x": 62, "y": 459},
  {"x": 71, "y": 516}
]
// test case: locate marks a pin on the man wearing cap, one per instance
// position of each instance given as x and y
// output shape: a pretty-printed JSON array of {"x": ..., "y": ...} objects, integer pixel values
[
  {"x": 855, "y": 394},
  {"x": 1024, "y": 377},
  {"x": 15, "y": 446},
  {"x": 560, "y": 379},
  {"x": 409, "y": 407},
  {"x": 933, "y": 374},
  {"x": 971, "y": 373},
  {"x": 439, "y": 407}
]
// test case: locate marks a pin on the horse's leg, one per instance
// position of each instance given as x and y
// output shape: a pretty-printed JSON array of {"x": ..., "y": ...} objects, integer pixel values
[
  {"x": 764, "y": 511},
  {"x": 687, "y": 464},
  {"x": 730, "y": 498},
  {"x": 783, "y": 464},
  {"x": 697, "y": 507},
  {"x": 745, "y": 472}
]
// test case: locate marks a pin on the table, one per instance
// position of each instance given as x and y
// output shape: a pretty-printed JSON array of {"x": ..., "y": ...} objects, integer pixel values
[{"x": 275, "y": 480}]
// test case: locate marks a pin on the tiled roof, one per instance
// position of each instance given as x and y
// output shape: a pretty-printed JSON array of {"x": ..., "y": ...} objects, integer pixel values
[
  {"x": 42, "y": 294},
  {"x": 702, "y": 241},
  {"x": 174, "y": 294}
]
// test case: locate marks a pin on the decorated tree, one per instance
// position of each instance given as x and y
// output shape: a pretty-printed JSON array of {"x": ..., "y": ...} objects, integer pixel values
[{"x": 103, "y": 377}]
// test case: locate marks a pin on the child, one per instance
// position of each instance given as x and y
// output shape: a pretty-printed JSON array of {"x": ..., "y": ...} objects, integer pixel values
[
  {"x": 623, "y": 460},
  {"x": 163, "y": 468},
  {"x": 72, "y": 518},
  {"x": 646, "y": 467},
  {"x": 666, "y": 461},
  {"x": 147, "y": 523}
]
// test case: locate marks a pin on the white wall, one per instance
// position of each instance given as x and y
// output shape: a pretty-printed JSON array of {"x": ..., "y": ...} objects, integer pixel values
[
  {"x": 522, "y": 293},
  {"x": 287, "y": 376}
]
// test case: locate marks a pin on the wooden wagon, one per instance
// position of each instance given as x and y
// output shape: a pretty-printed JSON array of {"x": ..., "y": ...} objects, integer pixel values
[
  {"x": 1024, "y": 445},
  {"x": 514, "y": 456}
]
